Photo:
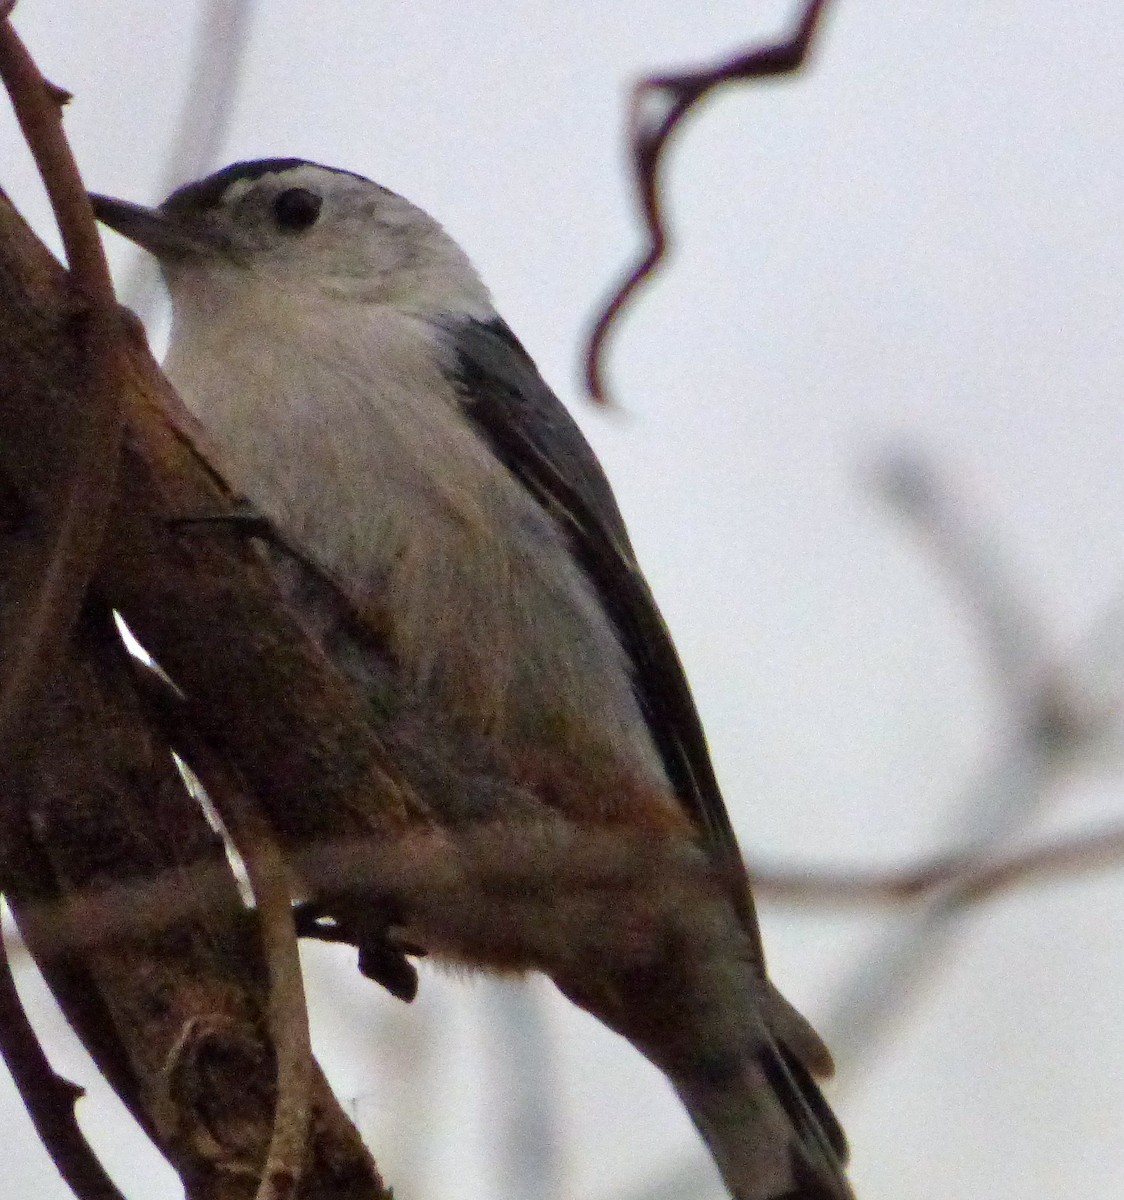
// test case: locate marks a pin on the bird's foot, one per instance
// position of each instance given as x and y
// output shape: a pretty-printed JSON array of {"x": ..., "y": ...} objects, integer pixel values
[{"x": 383, "y": 954}]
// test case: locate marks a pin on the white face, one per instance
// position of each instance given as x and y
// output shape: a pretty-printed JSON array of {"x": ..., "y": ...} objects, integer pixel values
[{"x": 310, "y": 231}]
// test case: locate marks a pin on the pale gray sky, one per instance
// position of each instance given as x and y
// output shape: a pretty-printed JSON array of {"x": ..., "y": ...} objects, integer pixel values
[{"x": 914, "y": 245}]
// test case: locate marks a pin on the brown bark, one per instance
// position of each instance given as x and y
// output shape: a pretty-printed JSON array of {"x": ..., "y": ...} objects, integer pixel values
[
  {"x": 201, "y": 602},
  {"x": 91, "y": 803}
]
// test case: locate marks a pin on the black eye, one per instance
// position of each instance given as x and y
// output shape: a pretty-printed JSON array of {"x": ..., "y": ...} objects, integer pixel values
[{"x": 296, "y": 208}]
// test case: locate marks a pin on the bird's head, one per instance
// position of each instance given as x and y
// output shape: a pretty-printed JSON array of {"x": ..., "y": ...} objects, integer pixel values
[{"x": 299, "y": 233}]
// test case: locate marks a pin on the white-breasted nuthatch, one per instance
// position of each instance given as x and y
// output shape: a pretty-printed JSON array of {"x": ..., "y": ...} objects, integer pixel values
[{"x": 365, "y": 397}]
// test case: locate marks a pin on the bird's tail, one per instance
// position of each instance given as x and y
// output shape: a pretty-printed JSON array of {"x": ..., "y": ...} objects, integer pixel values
[{"x": 767, "y": 1125}]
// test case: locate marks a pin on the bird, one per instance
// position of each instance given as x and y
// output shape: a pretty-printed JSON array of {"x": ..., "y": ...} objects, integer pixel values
[{"x": 359, "y": 389}]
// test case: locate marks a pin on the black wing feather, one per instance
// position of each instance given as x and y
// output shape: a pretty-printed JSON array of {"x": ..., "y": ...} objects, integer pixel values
[{"x": 531, "y": 433}]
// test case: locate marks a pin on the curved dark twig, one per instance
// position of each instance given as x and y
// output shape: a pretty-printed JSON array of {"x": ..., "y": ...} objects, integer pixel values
[
  {"x": 659, "y": 105},
  {"x": 49, "y": 579},
  {"x": 48, "y": 1098}
]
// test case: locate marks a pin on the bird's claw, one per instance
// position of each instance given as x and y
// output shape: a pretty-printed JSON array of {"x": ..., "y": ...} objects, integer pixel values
[{"x": 383, "y": 955}]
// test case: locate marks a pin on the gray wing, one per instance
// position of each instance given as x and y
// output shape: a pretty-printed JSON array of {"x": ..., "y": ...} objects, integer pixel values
[{"x": 531, "y": 433}]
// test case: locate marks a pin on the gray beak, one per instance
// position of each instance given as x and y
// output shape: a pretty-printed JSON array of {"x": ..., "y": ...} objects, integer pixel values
[{"x": 153, "y": 230}]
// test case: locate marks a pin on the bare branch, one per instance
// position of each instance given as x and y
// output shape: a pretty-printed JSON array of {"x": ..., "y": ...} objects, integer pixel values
[
  {"x": 288, "y": 1012},
  {"x": 218, "y": 48},
  {"x": 1054, "y": 721},
  {"x": 1024, "y": 664},
  {"x": 141, "y": 907},
  {"x": 660, "y": 103},
  {"x": 48, "y": 1098},
  {"x": 49, "y": 581},
  {"x": 175, "y": 1017},
  {"x": 971, "y": 878},
  {"x": 222, "y": 29},
  {"x": 270, "y": 884},
  {"x": 189, "y": 1060}
]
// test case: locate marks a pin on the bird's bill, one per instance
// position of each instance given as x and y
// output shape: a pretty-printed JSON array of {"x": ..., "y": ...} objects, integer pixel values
[{"x": 151, "y": 229}]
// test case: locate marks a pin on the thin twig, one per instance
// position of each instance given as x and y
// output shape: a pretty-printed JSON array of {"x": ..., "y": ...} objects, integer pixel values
[
  {"x": 971, "y": 879},
  {"x": 1014, "y": 641},
  {"x": 48, "y": 1098},
  {"x": 288, "y": 1011},
  {"x": 47, "y": 587},
  {"x": 269, "y": 880},
  {"x": 659, "y": 105},
  {"x": 526, "y": 1117},
  {"x": 1050, "y": 731},
  {"x": 219, "y": 42},
  {"x": 98, "y": 915},
  {"x": 36, "y": 105}
]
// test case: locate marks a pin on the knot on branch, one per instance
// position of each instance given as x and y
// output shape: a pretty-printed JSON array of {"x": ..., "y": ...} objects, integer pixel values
[{"x": 218, "y": 1079}]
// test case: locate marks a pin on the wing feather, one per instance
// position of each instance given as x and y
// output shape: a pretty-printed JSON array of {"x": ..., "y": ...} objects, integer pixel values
[{"x": 531, "y": 433}]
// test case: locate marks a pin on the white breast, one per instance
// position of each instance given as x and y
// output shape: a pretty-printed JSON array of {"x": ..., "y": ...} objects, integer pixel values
[{"x": 347, "y": 435}]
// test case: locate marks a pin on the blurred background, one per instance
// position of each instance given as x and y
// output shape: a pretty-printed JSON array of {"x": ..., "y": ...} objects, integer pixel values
[{"x": 868, "y": 438}]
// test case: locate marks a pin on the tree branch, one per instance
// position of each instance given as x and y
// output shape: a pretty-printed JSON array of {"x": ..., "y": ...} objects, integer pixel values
[
  {"x": 970, "y": 878},
  {"x": 175, "y": 1014},
  {"x": 48, "y": 1098},
  {"x": 81, "y": 817},
  {"x": 51, "y": 569},
  {"x": 269, "y": 878}
]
